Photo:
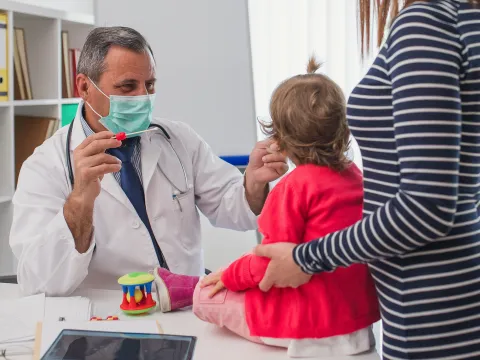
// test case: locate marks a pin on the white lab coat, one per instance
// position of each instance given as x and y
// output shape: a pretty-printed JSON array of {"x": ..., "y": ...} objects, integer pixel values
[{"x": 43, "y": 243}]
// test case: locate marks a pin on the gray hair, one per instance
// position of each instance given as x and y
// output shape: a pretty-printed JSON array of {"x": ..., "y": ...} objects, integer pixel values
[{"x": 99, "y": 41}]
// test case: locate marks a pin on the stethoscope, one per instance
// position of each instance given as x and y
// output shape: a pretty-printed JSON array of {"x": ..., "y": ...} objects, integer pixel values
[{"x": 164, "y": 133}]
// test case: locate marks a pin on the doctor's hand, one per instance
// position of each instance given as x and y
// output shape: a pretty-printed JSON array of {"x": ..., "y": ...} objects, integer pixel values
[
  {"x": 91, "y": 163},
  {"x": 266, "y": 164},
  {"x": 282, "y": 271}
]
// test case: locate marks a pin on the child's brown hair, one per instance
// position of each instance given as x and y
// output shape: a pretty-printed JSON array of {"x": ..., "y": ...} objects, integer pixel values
[{"x": 309, "y": 119}]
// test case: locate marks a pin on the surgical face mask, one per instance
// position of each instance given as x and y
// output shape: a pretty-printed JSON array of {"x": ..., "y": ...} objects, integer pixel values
[{"x": 127, "y": 113}]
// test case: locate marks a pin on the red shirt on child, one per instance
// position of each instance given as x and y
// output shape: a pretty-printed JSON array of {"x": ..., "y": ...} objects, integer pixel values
[{"x": 310, "y": 202}]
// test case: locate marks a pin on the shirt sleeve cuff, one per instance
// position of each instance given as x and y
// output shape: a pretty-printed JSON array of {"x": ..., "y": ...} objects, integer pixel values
[
  {"x": 66, "y": 237},
  {"x": 304, "y": 259},
  {"x": 68, "y": 264},
  {"x": 90, "y": 250}
]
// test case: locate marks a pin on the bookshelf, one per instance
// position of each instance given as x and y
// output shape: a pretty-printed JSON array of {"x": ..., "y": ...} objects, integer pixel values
[{"x": 43, "y": 43}]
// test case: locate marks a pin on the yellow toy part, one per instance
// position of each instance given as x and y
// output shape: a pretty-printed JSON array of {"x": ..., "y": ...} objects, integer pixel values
[{"x": 138, "y": 296}]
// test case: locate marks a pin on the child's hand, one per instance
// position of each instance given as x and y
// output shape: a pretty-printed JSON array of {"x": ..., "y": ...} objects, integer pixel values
[{"x": 214, "y": 279}]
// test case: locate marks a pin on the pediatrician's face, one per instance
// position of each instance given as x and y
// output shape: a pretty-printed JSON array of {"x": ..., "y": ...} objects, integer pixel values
[{"x": 127, "y": 73}]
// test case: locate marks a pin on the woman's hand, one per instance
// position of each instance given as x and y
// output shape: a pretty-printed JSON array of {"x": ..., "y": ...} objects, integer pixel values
[
  {"x": 282, "y": 270},
  {"x": 214, "y": 279}
]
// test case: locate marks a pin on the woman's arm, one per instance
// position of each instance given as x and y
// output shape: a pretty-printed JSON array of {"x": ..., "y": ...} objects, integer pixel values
[{"x": 423, "y": 60}]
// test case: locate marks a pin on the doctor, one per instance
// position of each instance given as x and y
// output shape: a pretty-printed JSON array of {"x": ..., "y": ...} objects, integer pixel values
[{"x": 133, "y": 205}]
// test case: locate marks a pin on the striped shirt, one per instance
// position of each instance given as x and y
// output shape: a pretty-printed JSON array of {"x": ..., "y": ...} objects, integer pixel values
[
  {"x": 136, "y": 158},
  {"x": 416, "y": 118}
]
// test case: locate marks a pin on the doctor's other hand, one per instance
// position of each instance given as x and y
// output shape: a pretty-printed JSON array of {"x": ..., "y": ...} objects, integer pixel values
[
  {"x": 214, "y": 279},
  {"x": 91, "y": 163},
  {"x": 282, "y": 271},
  {"x": 266, "y": 163}
]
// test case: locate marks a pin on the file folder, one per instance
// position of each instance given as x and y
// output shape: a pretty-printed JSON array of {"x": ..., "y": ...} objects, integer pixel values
[{"x": 3, "y": 57}]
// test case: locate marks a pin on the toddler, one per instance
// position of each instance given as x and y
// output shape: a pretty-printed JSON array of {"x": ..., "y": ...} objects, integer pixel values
[{"x": 332, "y": 314}]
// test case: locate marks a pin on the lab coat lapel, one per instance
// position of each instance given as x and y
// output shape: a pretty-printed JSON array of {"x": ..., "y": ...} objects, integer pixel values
[
  {"x": 150, "y": 152},
  {"x": 157, "y": 153},
  {"x": 108, "y": 183}
]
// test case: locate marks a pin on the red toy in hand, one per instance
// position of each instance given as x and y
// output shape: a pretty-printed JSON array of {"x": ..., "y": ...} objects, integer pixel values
[{"x": 121, "y": 136}]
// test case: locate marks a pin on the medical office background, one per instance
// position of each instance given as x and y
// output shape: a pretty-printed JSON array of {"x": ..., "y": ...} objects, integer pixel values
[{"x": 218, "y": 62}]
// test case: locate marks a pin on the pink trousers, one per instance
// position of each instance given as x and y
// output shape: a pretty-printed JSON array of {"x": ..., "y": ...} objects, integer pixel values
[{"x": 225, "y": 309}]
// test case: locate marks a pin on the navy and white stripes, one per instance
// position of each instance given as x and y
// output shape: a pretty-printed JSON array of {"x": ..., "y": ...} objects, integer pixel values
[{"x": 416, "y": 118}]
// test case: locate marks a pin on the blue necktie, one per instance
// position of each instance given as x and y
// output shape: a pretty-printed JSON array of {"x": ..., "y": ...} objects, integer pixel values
[{"x": 132, "y": 186}]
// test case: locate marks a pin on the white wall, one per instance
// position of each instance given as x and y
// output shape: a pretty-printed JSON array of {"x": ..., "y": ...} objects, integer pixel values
[
  {"x": 284, "y": 33},
  {"x": 202, "y": 50},
  {"x": 78, "y": 6},
  {"x": 203, "y": 59}
]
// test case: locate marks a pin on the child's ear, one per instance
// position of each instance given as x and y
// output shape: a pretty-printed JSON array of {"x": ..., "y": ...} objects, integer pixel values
[{"x": 282, "y": 150}]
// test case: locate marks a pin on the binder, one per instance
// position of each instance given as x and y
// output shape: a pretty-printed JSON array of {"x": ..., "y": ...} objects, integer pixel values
[
  {"x": 3, "y": 57},
  {"x": 20, "y": 92},
  {"x": 67, "y": 88},
  {"x": 21, "y": 45},
  {"x": 30, "y": 132},
  {"x": 74, "y": 56}
]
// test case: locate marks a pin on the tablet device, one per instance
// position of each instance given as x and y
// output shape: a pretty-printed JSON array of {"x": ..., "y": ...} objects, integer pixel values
[{"x": 92, "y": 345}]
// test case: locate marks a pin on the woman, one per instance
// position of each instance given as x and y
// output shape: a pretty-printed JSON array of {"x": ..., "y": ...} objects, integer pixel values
[{"x": 415, "y": 116}]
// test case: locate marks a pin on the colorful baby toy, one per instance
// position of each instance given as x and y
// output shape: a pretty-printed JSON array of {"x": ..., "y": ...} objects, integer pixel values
[{"x": 137, "y": 293}]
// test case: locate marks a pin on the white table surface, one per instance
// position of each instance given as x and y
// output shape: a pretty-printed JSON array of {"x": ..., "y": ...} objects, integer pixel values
[{"x": 212, "y": 342}]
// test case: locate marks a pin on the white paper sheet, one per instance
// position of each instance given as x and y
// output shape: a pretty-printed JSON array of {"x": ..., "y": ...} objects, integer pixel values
[
  {"x": 69, "y": 309},
  {"x": 18, "y": 318}
]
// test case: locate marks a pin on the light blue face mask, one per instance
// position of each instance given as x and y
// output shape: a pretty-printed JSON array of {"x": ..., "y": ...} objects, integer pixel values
[{"x": 127, "y": 114}]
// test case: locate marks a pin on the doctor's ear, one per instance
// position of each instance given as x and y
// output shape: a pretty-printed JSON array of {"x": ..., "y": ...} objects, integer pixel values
[{"x": 83, "y": 86}]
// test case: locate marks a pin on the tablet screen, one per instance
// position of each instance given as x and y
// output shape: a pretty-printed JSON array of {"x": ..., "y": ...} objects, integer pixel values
[{"x": 93, "y": 345}]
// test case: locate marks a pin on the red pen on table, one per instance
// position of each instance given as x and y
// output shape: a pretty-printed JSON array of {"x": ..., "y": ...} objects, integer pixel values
[{"x": 122, "y": 136}]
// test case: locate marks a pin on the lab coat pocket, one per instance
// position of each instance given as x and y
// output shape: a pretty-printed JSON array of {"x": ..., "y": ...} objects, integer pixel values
[
  {"x": 177, "y": 202},
  {"x": 181, "y": 202},
  {"x": 184, "y": 209}
]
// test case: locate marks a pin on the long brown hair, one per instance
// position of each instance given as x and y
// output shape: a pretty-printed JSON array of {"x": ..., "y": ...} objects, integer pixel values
[{"x": 383, "y": 10}]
